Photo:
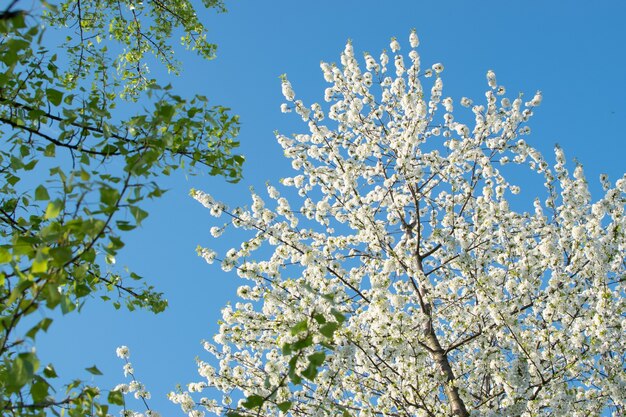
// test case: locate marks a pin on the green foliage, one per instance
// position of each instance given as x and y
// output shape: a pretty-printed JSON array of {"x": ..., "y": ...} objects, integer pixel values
[
  {"x": 116, "y": 398},
  {"x": 139, "y": 30},
  {"x": 76, "y": 167},
  {"x": 253, "y": 401},
  {"x": 306, "y": 359}
]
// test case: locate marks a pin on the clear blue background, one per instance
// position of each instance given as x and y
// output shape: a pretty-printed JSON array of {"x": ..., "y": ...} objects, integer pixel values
[{"x": 571, "y": 50}]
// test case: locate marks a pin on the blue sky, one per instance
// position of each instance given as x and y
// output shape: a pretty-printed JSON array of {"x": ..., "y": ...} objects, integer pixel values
[{"x": 570, "y": 50}]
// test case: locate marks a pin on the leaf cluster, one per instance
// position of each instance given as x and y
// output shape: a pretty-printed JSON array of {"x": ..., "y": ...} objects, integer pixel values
[
  {"x": 78, "y": 163},
  {"x": 314, "y": 332}
]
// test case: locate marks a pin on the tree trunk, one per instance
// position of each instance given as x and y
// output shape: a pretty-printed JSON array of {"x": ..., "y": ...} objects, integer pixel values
[{"x": 452, "y": 392}]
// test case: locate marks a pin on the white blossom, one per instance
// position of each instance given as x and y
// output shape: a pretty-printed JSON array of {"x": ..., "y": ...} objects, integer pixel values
[
  {"x": 207, "y": 254},
  {"x": 466, "y": 102},
  {"x": 288, "y": 92},
  {"x": 413, "y": 39},
  {"x": 394, "y": 45},
  {"x": 491, "y": 79},
  {"x": 536, "y": 100},
  {"x": 128, "y": 369},
  {"x": 123, "y": 388},
  {"x": 122, "y": 352}
]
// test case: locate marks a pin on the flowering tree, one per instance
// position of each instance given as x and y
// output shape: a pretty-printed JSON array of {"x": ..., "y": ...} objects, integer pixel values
[{"x": 405, "y": 277}]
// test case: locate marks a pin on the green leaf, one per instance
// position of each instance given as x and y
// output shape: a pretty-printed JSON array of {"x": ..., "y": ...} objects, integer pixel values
[
  {"x": 138, "y": 214},
  {"x": 317, "y": 358},
  {"x": 115, "y": 243},
  {"x": 42, "y": 325},
  {"x": 253, "y": 401},
  {"x": 329, "y": 329},
  {"x": 109, "y": 195},
  {"x": 5, "y": 255},
  {"x": 67, "y": 305},
  {"x": 338, "y": 316},
  {"x": 55, "y": 96},
  {"x": 115, "y": 398},
  {"x": 24, "y": 246},
  {"x": 39, "y": 390},
  {"x": 285, "y": 406},
  {"x": 50, "y": 150},
  {"x": 30, "y": 165},
  {"x": 52, "y": 296},
  {"x": 315, "y": 361},
  {"x": 109, "y": 149},
  {"x": 53, "y": 209},
  {"x": 329, "y": 297},
  {"x": 295, "y": 378},
  {"x": 301, "y": 326},
  {"x": 106, "y": 130},
  {"x": 166, "y": 111},
  {"x": 40, "y": 263},
  {"x": 61, "y": 255},
  {"x": 21, "y": 370},
  {"x": 93, "y": 370},
  {"x": 49, "y": 372},
  {"x": 319, "y": 318},
  {"x": 41, "y": 193},
  {"x": 302, "y": 343},
  {"x": 124, "y": 225},
  {"x": 310, "y": 372}
]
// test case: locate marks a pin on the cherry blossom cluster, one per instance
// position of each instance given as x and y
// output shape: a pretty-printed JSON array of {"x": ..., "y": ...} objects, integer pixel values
[
  {"x": 133, "y": 387},
  {"x": 461, "y": 299}
]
